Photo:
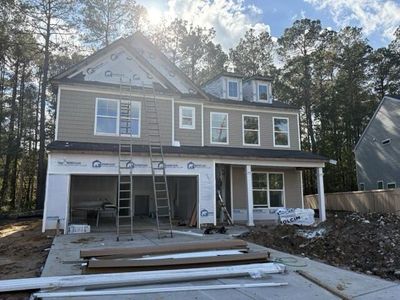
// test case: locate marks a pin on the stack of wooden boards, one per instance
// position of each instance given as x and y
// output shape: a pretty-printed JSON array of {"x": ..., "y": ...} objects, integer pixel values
[
  {"x": 154, "y": 269},
  {"x": 183, "y": 255}
]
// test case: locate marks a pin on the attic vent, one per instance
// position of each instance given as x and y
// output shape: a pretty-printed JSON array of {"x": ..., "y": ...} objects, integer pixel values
[
  {"x": 386, "y": 142},
  {"x": 108, "y": 73},
  {"x": 129, "y": 58},
  {"x": 114, "y": 56}
]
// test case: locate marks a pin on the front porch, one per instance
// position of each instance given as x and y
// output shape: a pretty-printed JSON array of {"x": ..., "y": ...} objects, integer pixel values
[{"x": 253, "y": 193}]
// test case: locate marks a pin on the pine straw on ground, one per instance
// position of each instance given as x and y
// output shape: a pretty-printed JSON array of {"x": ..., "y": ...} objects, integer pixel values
[
  {"x": 23, "y": 251},
  {"x": 368, "y": 243}
]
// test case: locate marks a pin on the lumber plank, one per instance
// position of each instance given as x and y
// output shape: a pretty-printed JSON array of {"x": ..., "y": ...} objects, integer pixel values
[
  {"x": 163, "y": 249},
  {"x": 181, "y": 262}
]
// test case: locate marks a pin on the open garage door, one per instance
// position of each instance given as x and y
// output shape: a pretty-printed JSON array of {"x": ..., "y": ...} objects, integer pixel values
[{"x": 93, "y": 200}]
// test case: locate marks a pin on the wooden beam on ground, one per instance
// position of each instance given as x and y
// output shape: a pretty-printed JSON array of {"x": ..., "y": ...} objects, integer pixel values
[
  {"x": 134, "y": 278},
  {"x": 185, "y": 262},
  {"x": 156, "y": 290},
  {"x": 162, "y": 249}
]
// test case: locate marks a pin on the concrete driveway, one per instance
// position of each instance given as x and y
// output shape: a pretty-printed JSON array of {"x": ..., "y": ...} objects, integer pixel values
[{"x": 65, "y": 252}]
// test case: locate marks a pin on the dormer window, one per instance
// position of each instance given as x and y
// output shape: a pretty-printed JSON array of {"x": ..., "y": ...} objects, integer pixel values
[
  {"x": 262, "y": 92},
  {"x": 233, "y": 89}
]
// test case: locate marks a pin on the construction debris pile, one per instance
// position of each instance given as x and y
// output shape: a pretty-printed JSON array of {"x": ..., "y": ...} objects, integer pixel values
[
  {"x": 368, "y": 243},
  {"x": 130, "y": 270}
]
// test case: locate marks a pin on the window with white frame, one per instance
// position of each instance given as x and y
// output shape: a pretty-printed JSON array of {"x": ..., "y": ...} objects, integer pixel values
[
  {"x": 262, "y": 92},
  {"x": 281, "y": 132},
  {"x": 268, "y": 189},
  {"x": 106, "y": 116},
  {"x": 380, "y": 184},
  {"x": 251, "y": 130},
  {"x": 391, "y": 185},
  {"x": 114, "y": 117},
  {"x": 233, "y": 89},
  {"x": 186, "y": 117},
  {"x": 219, "y": 128},
  {"x": 129, "y": 122}
]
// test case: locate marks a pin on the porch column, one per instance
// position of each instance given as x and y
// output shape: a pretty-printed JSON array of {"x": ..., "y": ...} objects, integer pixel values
[
  {"x": 250, "y": 205},
  {"x": 321, "y": 194}
]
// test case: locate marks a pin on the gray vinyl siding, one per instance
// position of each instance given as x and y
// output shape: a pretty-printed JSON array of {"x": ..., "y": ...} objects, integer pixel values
[
  {"x": 239, "y": 187},
  {"x": 266, "y": 127},
  {"x": 292, "y": 182},
  {"x": 375, "y": 161},
  {"x": 188, "y": 137},
  {"x": 77, "y": 112},
  {"x": 215, "y": 87}
]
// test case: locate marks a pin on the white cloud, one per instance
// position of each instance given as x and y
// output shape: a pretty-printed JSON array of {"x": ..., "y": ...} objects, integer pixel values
[
  {"x": 230, "y": 18},
  {"x": 374, "y": 16}
]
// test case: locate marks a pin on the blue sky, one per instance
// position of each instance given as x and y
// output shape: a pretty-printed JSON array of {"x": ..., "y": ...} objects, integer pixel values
[{"x": 231, "y": 18}]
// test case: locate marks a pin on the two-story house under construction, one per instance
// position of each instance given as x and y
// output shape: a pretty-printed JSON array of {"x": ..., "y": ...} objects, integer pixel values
[{"x": 228, "y": 135}]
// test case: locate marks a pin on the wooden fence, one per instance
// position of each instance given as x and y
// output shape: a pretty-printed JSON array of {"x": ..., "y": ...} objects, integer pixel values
[{"x": 387, "y": 201}]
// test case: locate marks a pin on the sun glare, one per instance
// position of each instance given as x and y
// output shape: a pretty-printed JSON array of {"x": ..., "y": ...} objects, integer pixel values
[{"x": 154, "y": 15}]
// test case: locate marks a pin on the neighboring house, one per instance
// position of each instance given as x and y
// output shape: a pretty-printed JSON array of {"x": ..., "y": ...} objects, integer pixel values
[
  {"x": 231, "y": 132},
  {"x": 378, "y": 150}
]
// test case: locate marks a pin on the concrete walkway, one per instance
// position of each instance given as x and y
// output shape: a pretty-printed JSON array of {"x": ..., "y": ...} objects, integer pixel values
[{"x": 65, "y": 252}]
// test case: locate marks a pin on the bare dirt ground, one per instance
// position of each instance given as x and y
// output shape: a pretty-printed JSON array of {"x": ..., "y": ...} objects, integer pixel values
[
  {"x": 23, "y": 251},
  {"x": 368, "y": 243}
]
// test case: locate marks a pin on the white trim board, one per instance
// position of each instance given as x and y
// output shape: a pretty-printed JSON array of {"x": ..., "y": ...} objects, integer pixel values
[
  {"x": 250, "y": 108},
  {"x": 111, "y": 92}
]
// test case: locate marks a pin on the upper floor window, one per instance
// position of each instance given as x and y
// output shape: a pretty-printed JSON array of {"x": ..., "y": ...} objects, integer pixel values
[
  {"x": 113, "y": 116},
  {"x": 262, "y": 92},
  {"x": 186, "y": 117},
  {"x": 380, "y": 184},
  {"x": 233, "y": 89},
  {"x": 251, "y": 130},
  {"x": 219, "y": 128},
  {"x": 361, "y": 187},
  {"x": 129, "y": 123},
  {"x": 281, "y": 132},
  {"x": 391, "y": 185},
  {"x": 106, "y": 116}
]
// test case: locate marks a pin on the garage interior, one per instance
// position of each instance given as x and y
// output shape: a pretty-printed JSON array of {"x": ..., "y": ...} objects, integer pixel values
[{"x": 93, "y": 200}]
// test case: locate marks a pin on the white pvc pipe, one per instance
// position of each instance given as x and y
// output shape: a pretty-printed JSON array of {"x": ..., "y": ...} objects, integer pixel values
[
  {"x": 134, "y": 277},
  {"x": 156, "y": 290}
]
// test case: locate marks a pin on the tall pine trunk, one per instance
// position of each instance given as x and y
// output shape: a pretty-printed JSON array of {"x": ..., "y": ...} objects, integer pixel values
[
  {"x": 10, "y": 137},
  {"x": 41, "y": 171},
  {"x": 13, "y": 184}
]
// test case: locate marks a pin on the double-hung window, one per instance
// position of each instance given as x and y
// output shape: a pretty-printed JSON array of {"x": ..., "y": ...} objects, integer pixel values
[
  {"x": 233, "y": 89},
  {"x": 186, "y": 117},
  {"x": 281, "y": 132},
  {"x": 268, "y": 189},
  {"x": 114, "y": 117},
  {"x": 129, "y": 122},
  {"x": 106, "y": 116},
  {"x": 262, "y": 92},
  {"x": 219, "y": 128},
  {"x": 251, "y": 130}
]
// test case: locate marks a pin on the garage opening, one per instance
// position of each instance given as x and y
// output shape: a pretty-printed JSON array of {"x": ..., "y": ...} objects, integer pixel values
[{"x": 93, "y": 201}]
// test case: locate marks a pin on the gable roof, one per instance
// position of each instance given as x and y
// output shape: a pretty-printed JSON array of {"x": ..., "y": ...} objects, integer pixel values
[
  {"x": 373, "y": 118},
  {"x": 126, "y": 43}
]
